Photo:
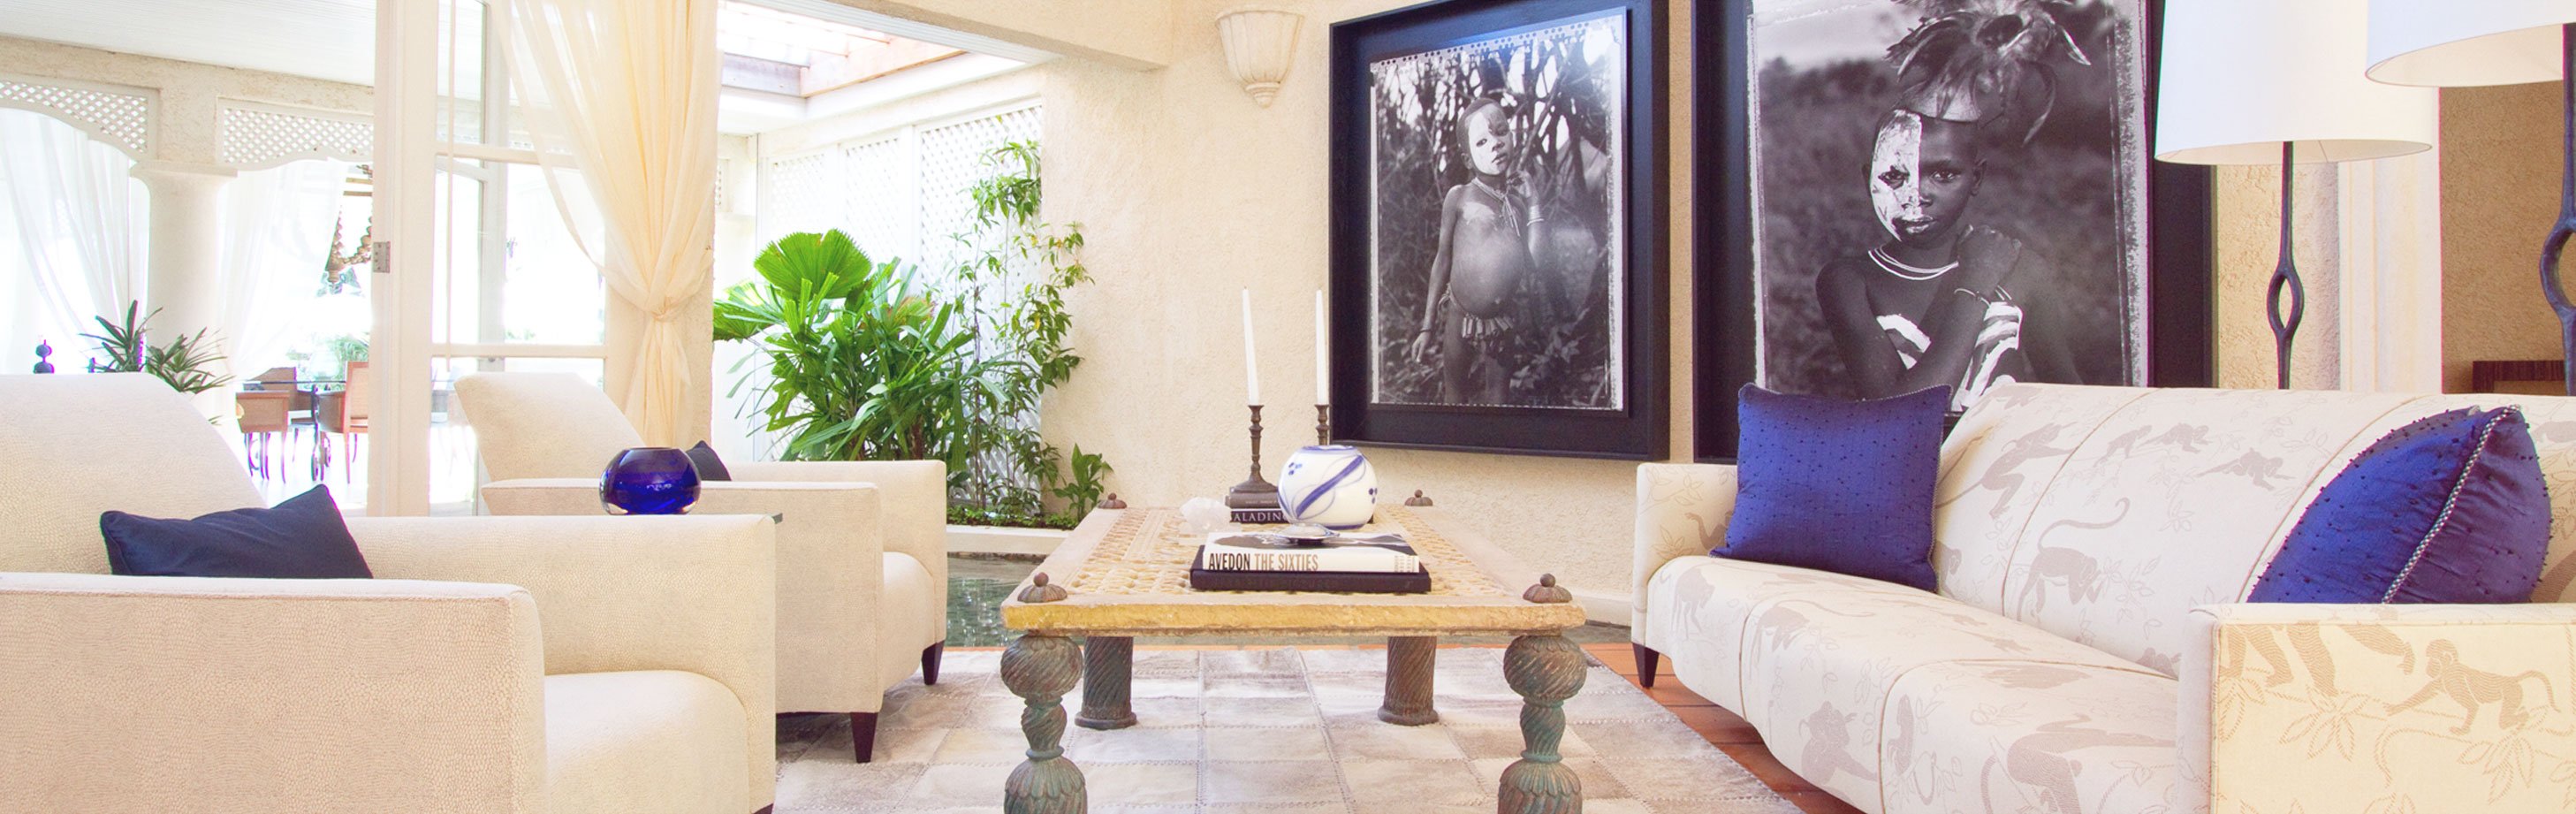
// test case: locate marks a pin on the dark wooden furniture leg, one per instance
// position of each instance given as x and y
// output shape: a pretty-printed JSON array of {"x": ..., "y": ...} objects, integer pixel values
[
  {"x": 1408, "y": 680},
  {"x": 1108, "y": 671},
  {"x": 1545, "y": 669},
  {"x": 1647, "y": 661},
  {"x": 863, "y": 735},
  {"x": 1040, "y": 668},
  {"x": 930, "y": 661}
]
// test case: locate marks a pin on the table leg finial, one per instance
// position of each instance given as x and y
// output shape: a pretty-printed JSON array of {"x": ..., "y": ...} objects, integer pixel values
[
  {"x": 1040, "y": 669},
  {"x": 1546, "y": 670},
  {"x": 1041, "y": 589}
]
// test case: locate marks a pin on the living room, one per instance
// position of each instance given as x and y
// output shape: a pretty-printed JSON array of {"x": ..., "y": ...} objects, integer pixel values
[{"x": 1124, "y": 246}]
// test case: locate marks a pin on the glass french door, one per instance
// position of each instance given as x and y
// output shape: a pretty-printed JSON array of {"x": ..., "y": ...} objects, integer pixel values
[{"x": 484, "y": 274}]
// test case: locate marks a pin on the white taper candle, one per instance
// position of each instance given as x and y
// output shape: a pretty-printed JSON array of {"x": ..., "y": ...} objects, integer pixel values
[
  {"x": 1323, "y": 358},
  {"x": 1251, "y": 370}
]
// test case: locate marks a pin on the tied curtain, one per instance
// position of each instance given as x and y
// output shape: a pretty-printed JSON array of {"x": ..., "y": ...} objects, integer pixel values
[
  {"x": 277, "y": 235},
  {"x": 619, "y": 96},
  {"x": 78, "y": 223}
]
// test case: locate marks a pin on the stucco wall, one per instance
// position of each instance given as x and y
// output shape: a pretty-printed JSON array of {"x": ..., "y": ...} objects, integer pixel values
[
  {"x": 189, "y": 91},
  {"x": 1188, "y": 192},
  {"x": 2500, "y": 179},
  {"x": 2246, "y": 216}
]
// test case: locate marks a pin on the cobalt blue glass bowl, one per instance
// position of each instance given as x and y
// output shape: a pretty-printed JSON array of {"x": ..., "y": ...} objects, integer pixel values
[{"x": 649, "y": 480}]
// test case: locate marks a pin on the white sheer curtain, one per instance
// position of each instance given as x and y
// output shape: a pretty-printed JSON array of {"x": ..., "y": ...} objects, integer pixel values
[
  {"x": 78, "y": 224},
  {"x": 277, "y": 233},
  {"x": 621, "y": 94}
]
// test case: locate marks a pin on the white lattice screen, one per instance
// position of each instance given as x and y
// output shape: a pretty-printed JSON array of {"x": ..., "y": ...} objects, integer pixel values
[
  {"x": 900, "y": 195},
  {"x": 118, "y": 117},
  {"x": 264, "y": 137}
]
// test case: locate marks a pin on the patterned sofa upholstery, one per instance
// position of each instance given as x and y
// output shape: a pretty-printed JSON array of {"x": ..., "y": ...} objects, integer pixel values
[{"x": 2089, "y": 648}]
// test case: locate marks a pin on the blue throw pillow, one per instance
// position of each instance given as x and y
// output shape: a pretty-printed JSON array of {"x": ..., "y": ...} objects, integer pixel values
[
  {"x": 703, "y": 458},
  {"x": 303, "y": 537},
  {"x": 1841, "y": 486},
  {"x": 2448, "y": 509}
]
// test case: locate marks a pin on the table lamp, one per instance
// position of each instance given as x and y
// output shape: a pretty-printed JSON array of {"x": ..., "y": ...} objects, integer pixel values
[
  {"x": 2273, "y": 81},
  {"x": 2447, "y": 43}
]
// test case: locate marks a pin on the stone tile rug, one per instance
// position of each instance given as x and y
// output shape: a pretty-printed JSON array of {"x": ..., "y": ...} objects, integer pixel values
[{"x": 1267, "y": 731}]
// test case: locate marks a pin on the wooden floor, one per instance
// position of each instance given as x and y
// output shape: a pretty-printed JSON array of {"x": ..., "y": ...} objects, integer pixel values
[{"x": 1729, "y": 733}]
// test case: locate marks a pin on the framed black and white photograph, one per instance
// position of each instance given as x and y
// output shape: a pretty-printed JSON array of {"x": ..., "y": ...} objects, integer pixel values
[
  {"x": 1496, "y": 227},
  {"x": 1902, "y": 194}
]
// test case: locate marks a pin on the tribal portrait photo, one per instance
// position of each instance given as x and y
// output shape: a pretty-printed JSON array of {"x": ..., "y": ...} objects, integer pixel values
[
  {"x": 1495, "y": 176},
  {"x": 1947, "y": 193}
]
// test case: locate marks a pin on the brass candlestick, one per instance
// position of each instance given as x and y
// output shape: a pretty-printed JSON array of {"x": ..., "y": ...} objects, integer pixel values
[
  {"x": 1323, "y": 424},
  {"x": 1255, "y": 500}
]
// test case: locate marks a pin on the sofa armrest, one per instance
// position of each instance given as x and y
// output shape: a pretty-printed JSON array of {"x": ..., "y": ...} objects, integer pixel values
[
  {"x": 690, "y": 593},
  {"x": 2380, "y": 708},
  {"x": 237, "y": 695},
  {"x": 1681, "y": 511}
]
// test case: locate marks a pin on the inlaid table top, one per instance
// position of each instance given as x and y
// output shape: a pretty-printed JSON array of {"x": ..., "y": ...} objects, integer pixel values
[{"x": 1128, "y": 574}]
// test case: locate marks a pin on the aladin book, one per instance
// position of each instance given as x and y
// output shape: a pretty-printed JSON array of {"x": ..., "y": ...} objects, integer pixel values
[{"x": 1256, "y": 551}]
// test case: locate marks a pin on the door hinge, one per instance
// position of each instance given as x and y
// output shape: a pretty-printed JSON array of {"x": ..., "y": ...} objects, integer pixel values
[{"x": 383, "y": 254}]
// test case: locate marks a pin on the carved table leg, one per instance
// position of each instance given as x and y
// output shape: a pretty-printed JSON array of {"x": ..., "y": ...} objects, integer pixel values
[
  {"x": 1545, "y": 670},
  {"x": 1040, "y": 669},
  {"x": 1108, "y": 670},
  {"x": 1408, "y": 681}
]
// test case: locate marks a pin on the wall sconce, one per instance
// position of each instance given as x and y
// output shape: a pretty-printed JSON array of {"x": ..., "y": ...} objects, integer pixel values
[{"x": 1259, "y": 45}]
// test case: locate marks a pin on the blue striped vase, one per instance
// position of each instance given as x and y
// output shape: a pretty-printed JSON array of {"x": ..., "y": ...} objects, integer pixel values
[{"x": 1332, "y": 486}]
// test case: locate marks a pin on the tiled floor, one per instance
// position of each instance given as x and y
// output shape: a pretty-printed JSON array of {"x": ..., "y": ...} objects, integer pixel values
[
  {"x": 1723, "y": 729},
  {"x": 1729, "y": 733},
  {"x": 1264, "y": 730}
]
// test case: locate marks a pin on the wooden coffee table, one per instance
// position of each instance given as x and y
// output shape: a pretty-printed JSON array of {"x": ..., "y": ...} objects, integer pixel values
[{"x": 1126, "y": 572}]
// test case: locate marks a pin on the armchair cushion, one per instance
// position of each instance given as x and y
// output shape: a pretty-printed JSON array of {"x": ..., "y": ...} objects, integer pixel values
[
  {"x": 643, "y": 742},
  {"x": 301, "y": 538}
]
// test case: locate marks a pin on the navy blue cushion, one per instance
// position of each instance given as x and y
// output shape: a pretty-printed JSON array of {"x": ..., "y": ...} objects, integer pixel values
[
  {"x": 2448, "y": 509},
  {"x": 1841, "y": 486},
  {"x": 303, "y": 537},
  {"x": 703, "y": 458}
]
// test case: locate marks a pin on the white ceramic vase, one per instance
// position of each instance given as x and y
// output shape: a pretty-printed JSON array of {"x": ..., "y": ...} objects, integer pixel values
[{"x": 1332, "y": 486}]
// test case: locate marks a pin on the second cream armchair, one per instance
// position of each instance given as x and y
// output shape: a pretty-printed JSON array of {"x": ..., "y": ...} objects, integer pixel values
[{"x": 862, "y": 556}]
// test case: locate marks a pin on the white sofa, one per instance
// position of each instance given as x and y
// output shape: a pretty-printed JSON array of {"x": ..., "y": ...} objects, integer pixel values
[
  {"x": 2089, "y": 649},
  {"x": 862, "y": 545},
  {"x": 549, "y": 664}
]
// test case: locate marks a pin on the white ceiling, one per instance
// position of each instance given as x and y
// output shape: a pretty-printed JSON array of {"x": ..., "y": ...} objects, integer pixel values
[
  {"x": 323, "y": 39},
  {"x": 335, "y": 40}
]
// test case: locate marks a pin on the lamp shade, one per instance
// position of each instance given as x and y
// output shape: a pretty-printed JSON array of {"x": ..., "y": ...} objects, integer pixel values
[
  {"x": 2240, "y": 78},
  {"x": 2451, "y": 43}
]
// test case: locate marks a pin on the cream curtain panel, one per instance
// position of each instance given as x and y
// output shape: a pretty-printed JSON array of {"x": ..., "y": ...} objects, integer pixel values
[
  {"x": 277, "y": 234},
  {"x": 620, "y": 97},
  {"x": 78, "y": 221}
]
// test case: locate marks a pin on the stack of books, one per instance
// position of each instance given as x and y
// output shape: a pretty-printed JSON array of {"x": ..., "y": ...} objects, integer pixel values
[{"x": 1259, "y": 561}]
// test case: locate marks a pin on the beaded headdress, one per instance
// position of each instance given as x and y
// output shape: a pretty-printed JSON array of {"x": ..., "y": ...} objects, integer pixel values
[{"x": 1972, "y": 60}]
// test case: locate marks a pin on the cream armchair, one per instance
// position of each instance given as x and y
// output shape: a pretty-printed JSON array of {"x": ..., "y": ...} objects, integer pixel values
[
  {"x": 862, "y": 551},
  {"x": 646, "y": 685}
]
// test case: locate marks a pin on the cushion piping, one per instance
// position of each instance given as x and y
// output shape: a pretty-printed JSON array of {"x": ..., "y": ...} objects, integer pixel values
[{"x": 2459, "y": 482}]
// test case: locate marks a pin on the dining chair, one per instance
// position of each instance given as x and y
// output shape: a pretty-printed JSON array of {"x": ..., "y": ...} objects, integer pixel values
[
  {"x": 299, "y": 408},
  {"x": 262, "y": 416},
  {"x": 347, "y": 415}
]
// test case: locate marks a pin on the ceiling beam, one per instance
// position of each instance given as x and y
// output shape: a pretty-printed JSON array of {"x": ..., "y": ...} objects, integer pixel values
[{"x": 1124, "y": 33}]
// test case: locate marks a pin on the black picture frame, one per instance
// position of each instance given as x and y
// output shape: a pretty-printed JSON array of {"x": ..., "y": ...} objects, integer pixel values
[
  {"x": 1637, "y": 429},
  {"x": 2179, "y": 254}
]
